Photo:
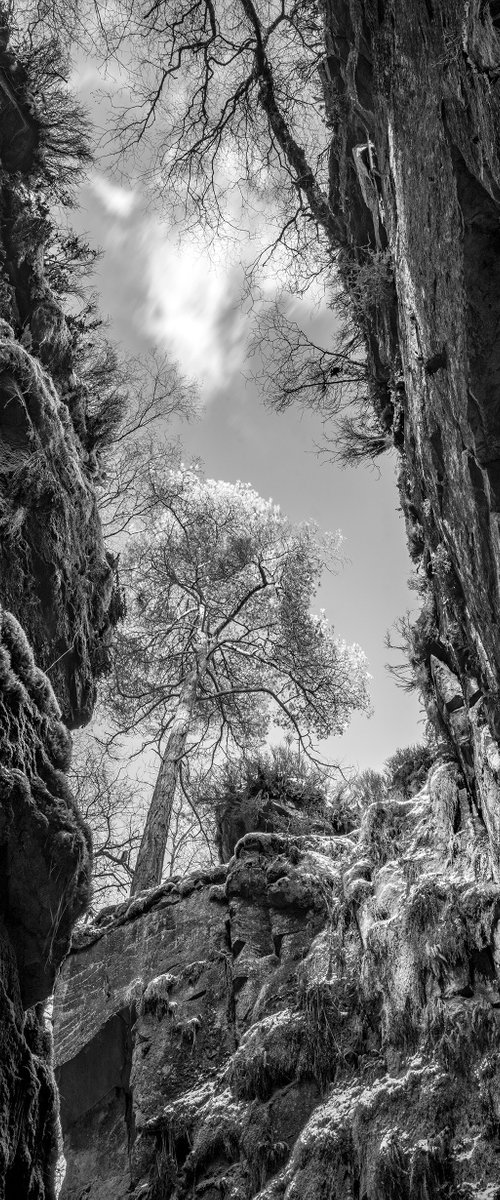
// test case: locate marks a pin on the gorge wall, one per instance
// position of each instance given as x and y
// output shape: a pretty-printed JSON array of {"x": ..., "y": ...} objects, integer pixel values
[
  {"x": 319, "y": 1019},
  {"x": 57, "y": 599}
]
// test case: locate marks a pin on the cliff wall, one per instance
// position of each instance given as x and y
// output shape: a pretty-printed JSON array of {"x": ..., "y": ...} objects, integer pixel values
[
  {"x": 412, "y": 96},
  {"x": 57, "y": 600}
]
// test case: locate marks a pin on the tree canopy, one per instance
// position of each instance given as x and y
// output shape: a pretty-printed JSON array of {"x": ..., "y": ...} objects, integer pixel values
[{"x": 220, "y": 641}]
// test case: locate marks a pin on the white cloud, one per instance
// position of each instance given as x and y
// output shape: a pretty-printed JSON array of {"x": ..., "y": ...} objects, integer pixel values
[
  {"x": 192, "y": 308},
  {"x": 85, "y": 74},
  {"x": 118, "y": 201}
]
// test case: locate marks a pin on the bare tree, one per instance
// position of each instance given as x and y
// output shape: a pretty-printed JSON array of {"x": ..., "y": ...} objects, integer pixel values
[
  {"x": 191, "y": 842},
  {"x": 405, "y": 673},
  {"x": 148, "y": 395},
  {"x": 297, "y": 370},
  {"x": 224, "y": 110},
  {"x": 225, "y": 95},
  {"x": 114, "y": 805},
  {"x": 109, "y": 803}
]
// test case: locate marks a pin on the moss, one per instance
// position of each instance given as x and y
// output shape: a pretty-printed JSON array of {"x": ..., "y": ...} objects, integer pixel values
[
  {"x": 201, "y": 1133},
  {"x": 431, "y": 1171},
  {"x": 391, "y": 1174},
  {"x": 46, "y": 844},
  {"x": 403, "y": 1025},
  {"x": 325, "y": 1162},
  {"x": 269, "y": 1056},
  {"x": 451, "y": 925},
  {"x": 384, "y": 830},
  {"x": 463, "y": 1035},
  {"x": 48, "y": 513},
  {"x": 339, "y": 1025},
  {"x": 424, "y": 907},
  {"x": 156, "y": 1000}
]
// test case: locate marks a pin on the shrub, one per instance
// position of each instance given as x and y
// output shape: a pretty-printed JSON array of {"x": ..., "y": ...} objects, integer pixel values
[
  {"x": 107, "y": 399},
  {"x": 408, "y": 767},
  {"x": 68, "y": 262},
  {"x": 238, "y": 792},
  {"x": 370, "y": 283},
  {"x": 357, "y": 442},
  {"x": 369, "y": 787},
  {"x": 417, "y": 640}
]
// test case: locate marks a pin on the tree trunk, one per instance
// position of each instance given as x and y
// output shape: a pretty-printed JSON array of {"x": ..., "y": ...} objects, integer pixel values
[{"x": 149, "y": 866}]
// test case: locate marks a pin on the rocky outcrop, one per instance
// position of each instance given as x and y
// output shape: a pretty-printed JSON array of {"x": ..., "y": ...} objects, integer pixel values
[
  {"x": 181, "y": 977},
  {"x": 318, "y": 1018}
]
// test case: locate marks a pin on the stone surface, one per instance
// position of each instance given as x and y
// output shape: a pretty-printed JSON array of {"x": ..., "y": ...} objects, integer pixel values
[
  {"x": 28, "y": 1102},
  {"x": 293, "y": 1034},
  {"x": 187, "y": 977}
]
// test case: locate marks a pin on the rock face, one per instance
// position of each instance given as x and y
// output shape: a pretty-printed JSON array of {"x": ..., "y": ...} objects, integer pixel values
[
  {"x": 45, "y": 846},
  {"x": 413, "y": 90},
  {"x": 185, "y": 1017},
  {"x": 319, "y": 1018},
  {"x": 57, "y": 603}
]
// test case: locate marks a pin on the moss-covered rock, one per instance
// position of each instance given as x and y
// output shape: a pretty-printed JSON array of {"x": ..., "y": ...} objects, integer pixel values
[{"x": 58, "y": 601}]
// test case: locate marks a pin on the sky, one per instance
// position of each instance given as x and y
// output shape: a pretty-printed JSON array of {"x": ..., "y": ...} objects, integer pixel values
[{"x": 187, "y": 302}]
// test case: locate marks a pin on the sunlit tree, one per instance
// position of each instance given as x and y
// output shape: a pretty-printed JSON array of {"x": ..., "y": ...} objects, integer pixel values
[{"x": 220, "y": 640}]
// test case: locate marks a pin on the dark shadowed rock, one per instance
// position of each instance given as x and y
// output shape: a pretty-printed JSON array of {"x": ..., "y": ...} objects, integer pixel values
[
  {"x": 54, "y": 572},
  {"x": 45, "y": 874},
  {"x": 58, "y": 600},
  {"x": 44, "y": 844}
]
